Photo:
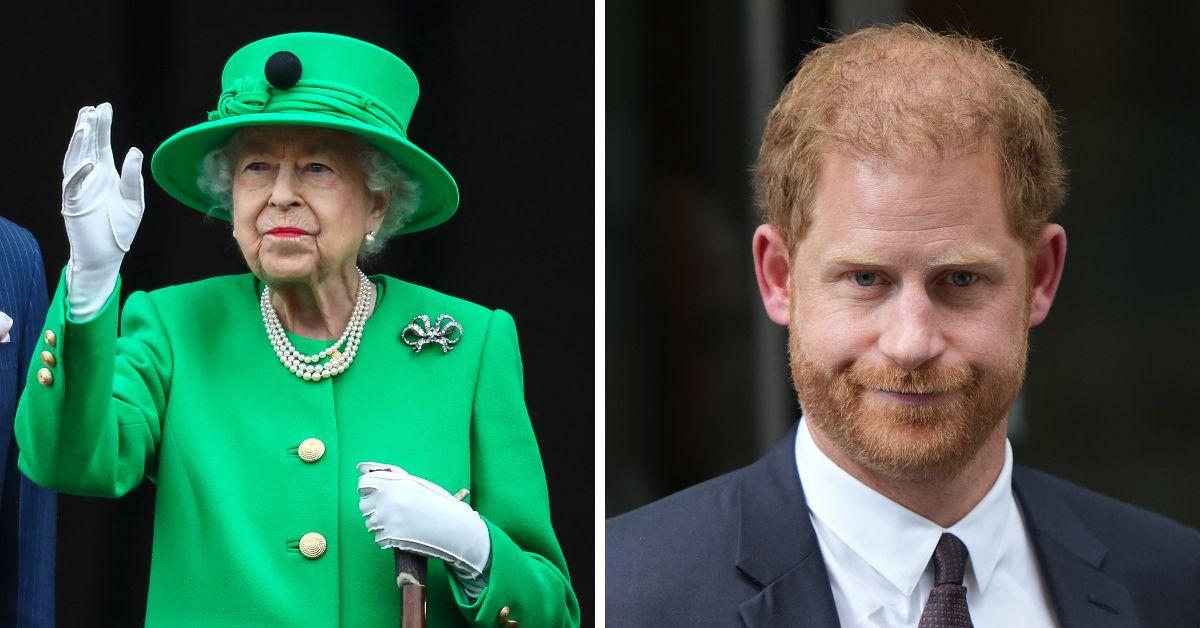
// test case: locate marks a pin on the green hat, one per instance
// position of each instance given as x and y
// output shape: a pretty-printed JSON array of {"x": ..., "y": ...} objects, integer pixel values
[{"x": 317, "y": 80}]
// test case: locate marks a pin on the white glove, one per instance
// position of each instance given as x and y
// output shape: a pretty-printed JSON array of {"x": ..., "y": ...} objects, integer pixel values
[
  {"x": 416, "y": 515},
  {"x": 101, "y": 209}
]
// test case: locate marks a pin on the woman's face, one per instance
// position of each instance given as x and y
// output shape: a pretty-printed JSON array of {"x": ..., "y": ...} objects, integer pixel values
[{"x": 301, "y": 205}]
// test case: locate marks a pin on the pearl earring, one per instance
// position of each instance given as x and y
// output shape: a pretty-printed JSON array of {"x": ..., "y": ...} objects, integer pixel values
[{"x": 369, "y": 238}]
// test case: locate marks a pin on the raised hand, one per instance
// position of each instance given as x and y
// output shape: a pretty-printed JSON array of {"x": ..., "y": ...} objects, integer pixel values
[{"x": 101, "y": 208}]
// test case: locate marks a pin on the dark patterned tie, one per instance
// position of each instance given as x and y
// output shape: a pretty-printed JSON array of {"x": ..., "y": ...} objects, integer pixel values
[{"x": 947, "y": 605}]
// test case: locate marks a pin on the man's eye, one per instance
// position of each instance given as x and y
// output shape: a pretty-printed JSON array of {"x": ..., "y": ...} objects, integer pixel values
[
  {"x": 963, "y": 278},
  {"x": 865, "y": 277}
]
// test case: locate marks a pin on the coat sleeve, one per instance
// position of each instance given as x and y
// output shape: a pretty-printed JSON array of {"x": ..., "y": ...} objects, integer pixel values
[
  {"x": 508, "y": 488},
  {"x": 94, "y": 429},
  {"x": 37, "y": 506}
]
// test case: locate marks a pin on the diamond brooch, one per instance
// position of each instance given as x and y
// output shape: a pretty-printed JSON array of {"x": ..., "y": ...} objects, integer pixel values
[{"x": 445, "y": 331}]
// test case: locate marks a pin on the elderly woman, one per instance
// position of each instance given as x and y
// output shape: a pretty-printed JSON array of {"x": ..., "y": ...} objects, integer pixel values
[{"x": 259, "y": 403}]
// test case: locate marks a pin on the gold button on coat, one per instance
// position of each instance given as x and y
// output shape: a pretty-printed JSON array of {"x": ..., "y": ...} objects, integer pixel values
[
  {"x": 312, "y": 545},
  {"x": 510, "y": 624},
  {"x": 50, "y": 338},
  {"x": 311, "y": 450},
  {"x": 48, "y": 358},
  {"x": 504, "y": 614},
  {"x": 45, "y": 377}
]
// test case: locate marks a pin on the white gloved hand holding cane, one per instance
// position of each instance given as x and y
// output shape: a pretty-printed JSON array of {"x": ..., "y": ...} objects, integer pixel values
[
  {"x": 415, "y": 515},
  {"x": 101, "y": 208}
]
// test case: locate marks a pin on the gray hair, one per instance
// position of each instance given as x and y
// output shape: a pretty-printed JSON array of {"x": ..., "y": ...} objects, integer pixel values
[{"x": 383, "y": 176}]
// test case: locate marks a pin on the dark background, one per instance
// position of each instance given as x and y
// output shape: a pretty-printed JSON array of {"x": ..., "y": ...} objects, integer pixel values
[
  {"x": 506, "y": 105},
  {"x": 697, "y": 383}
]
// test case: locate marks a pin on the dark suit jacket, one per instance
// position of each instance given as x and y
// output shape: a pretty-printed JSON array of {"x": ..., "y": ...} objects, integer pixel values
[
  {"x": 740, "y": 550},
  {"x": 27, "y": 511}
]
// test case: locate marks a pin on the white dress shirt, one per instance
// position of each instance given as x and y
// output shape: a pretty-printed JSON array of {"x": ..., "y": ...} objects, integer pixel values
[{"x": 878, "y": 553}]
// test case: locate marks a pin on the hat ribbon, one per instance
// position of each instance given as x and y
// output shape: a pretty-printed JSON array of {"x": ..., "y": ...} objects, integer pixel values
[{"x": 256, "y": 95}]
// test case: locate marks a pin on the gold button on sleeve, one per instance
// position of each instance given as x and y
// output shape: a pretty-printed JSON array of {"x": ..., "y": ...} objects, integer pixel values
[
  {"x": 51, "y": 339},
  {"x": 48, "y": 358},
  {"x": 312, "y": 545},
  {"x": 45, "y": 377},
  {"x": 311, "y": 450}
]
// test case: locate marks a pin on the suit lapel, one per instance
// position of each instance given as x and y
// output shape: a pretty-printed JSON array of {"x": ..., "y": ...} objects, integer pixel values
[
  {"x": 777, "y": 547},
  {"x": 1070, "y": 557}
]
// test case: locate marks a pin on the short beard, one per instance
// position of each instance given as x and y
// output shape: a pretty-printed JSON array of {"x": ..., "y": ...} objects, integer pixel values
[{"x": 914, "y": 443}]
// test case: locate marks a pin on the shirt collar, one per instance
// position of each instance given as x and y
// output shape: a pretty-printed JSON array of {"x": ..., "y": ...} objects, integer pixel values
[{"x": 893, "y": 540}]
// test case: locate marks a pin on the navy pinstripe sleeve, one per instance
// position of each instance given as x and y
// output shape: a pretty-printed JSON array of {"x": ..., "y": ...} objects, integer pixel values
[{"x": 27, "y": 511}]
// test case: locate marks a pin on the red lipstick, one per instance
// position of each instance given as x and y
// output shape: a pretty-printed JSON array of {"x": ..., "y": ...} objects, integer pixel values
[{"x": 286, "y": 232}]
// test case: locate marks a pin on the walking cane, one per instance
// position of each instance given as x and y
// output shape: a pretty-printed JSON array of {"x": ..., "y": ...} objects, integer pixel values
[
  {"x": 410, "y": 577},
  {"x": 411, "y": 570}
]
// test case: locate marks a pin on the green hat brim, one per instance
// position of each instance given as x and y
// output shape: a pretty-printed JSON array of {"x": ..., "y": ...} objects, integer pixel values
[{"x": 175, "y": 165}]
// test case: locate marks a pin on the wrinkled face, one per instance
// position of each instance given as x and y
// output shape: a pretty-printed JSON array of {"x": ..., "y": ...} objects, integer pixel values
[
  {"x": 910, "y": 311},
  {"x": 300, "y": 202}
]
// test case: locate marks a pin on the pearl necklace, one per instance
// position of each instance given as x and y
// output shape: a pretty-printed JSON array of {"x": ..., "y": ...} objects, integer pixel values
[{"x": 310, "y": 367}]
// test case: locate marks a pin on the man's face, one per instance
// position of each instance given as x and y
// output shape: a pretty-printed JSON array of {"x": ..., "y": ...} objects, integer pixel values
[{"x": 909, "y": 311}]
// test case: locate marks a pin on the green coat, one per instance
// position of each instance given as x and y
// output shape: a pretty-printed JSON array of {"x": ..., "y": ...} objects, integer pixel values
[{"x": 192, "y": 396}]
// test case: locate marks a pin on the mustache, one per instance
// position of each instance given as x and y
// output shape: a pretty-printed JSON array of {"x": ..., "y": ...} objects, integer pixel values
[{"x": 926, "y": 380}]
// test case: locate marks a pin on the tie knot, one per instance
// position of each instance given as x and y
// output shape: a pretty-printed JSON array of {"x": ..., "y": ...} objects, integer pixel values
[{"x": 949, "y": 560}]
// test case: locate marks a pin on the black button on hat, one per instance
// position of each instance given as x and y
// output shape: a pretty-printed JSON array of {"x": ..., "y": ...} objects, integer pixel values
[{"x": 283, "y": 69}]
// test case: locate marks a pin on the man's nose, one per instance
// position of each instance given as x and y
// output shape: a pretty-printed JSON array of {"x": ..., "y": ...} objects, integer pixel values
[
  {"x": 285, "y": 191},
  {"x": 911, "y": 333}
]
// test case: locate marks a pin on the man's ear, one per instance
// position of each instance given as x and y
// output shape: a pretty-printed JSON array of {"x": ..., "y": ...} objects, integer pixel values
[
  {"x": 1048, "y": 258},
  {"x": 772, "y": 266}
]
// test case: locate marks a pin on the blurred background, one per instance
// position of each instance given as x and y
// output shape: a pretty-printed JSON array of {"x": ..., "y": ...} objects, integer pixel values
[
  {"x": 506, "y": 105},
  {"x": 697, "y": 379}
]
